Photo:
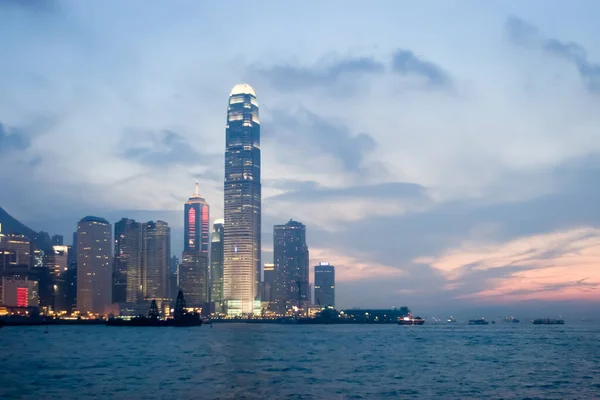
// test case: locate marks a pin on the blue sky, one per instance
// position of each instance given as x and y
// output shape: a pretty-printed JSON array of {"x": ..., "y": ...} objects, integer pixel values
[{"x": 439, "y": 152}]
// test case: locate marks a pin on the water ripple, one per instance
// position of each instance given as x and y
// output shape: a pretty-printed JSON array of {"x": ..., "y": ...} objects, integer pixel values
[{"x": 242, "y": 361}]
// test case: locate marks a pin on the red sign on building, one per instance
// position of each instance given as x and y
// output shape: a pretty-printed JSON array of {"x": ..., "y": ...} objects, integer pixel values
[{"x": 22, "y": 297}]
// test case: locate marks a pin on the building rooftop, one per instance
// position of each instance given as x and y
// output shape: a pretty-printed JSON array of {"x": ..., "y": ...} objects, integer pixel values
[
  {"x": 242, "y": 88},
  {"x": 90, "y": 218}
]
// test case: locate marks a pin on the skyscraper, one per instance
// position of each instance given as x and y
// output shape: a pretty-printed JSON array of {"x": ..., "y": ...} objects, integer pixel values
[
  {"x": 216, "y": 264},
  {"x": 128, "y": 272},
  {"x": 193, "y": 278},
  {"x": 196, "y": 224},
  {"x": 325, "y": 285},
  {"x": 242, "y": 193},
  {"x": 290, "y": 256},
  {"x": 57, "y": 262},
  {"x": 173, "y": 278},
  {"x": 157, "y": 257},
  {"x": 94, "y": 275},
  {"x": 269, "y": 280},
  {"x": 19, "y": 245},
  {"x": 193, "y": 271}
]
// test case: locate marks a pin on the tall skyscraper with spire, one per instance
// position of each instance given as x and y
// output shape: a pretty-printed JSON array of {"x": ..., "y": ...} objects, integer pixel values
[
  {"x": 196, "y": 221},
  {"x": 193, "y": 271},
  {"x": 242, "y": 208}
]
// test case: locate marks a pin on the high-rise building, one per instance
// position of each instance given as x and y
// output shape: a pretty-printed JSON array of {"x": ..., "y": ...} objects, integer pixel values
[
  {"x": 128, "y": 259},
  {"x": 268, "y": 282},
  {"x": 173, "y": 278},
  {"x": 20, "y": 245},
  {"x": 325, "y": 285},
  {"x": 193, "y": 270},
  {"x": 72, "y": 276},
  {"x": 216, "y": 264},
  {"x": 57, "y": 262},
  {"x": 156, "y": 260},
  {"x": 19, "y": 291},
  {"x": 193, "y": 278},
  {"x": 196, "y": 224},
  {"x": 57, "y": 240},
  {"x": 242, "y": 208},
  {"x": 290, "y": 256},
  {"x": 94, "y": 275},
  {"x": 174, "y": 266}
]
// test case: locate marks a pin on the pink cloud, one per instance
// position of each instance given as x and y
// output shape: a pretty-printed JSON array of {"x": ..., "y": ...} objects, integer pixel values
[
  {"x": 352, "y": 267},
  {"x": 554, "y": 266}
]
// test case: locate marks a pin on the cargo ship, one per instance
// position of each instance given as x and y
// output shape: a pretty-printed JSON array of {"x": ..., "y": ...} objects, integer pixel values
[
  {"x": 410, "y": 320},
  {"x": 548, "y": 321}
]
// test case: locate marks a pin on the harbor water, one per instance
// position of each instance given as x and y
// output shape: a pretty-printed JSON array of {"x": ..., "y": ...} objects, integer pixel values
[{"x": 260, "y": 361}]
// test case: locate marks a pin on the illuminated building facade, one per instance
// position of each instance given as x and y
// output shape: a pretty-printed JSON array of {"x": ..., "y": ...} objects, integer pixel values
[
  {"x": 19, "y": 291},
  {"x": 325, "y": 285},
  {"x": 57, "y": 262},
  {"x": 193, "y": 270},
  {"x": 94, "y": 264},
  {"x": 19, "y": 245},
  {"x": 193, "y": 278},
  {"x": 290, "y": 256},
  {"x": 196, "y": 224},
  {"x": 156, "y": 261},
  {"x": 216, "y": 264},
  {"x": 127, "y": 270},
  {"x": 268, "y": 282},
  {"x": 242, "y": 208}
]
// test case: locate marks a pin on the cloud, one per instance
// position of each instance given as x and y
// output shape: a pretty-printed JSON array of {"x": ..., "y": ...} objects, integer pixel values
[
  {"x": 162, "y": 148},
  {"x": 406, "y": 63},
  {"x": 328, "y": 208},
  {"x": 311, "y": 191},
  {"x": 524, "y": 34},
  {"x": 560, "y": 264},
  {"x": 12, "y": 139},
  {"x": 328, "y": 71},
  {"x": 351, "y": 266},
  {"x": 306, "y": 134}
]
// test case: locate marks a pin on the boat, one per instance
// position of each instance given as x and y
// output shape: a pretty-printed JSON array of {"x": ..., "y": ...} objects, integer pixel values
[
  {"x": 548, "y": 321},
  {"x": 410, "y": 320},
  {"x": 481, "y": 321},
  {"x": 511, "y": 319},
  {"x": 451, "y": 319}
]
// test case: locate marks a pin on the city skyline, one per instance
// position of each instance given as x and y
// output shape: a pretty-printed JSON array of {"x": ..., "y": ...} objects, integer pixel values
[{"x": 426, "y": 177}]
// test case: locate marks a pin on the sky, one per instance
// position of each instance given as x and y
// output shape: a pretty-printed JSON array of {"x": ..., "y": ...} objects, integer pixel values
[{"x": 443, "y": 155}]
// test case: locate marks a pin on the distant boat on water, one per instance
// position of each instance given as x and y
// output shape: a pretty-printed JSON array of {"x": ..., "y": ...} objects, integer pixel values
[
  {"x": 480, "y": 321},
  {"x": 410, "y": 320},
  {"x": 548, "y": 321},
  {"x": 511, "y": 319},
  {"x": 451, "y": 319}
]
